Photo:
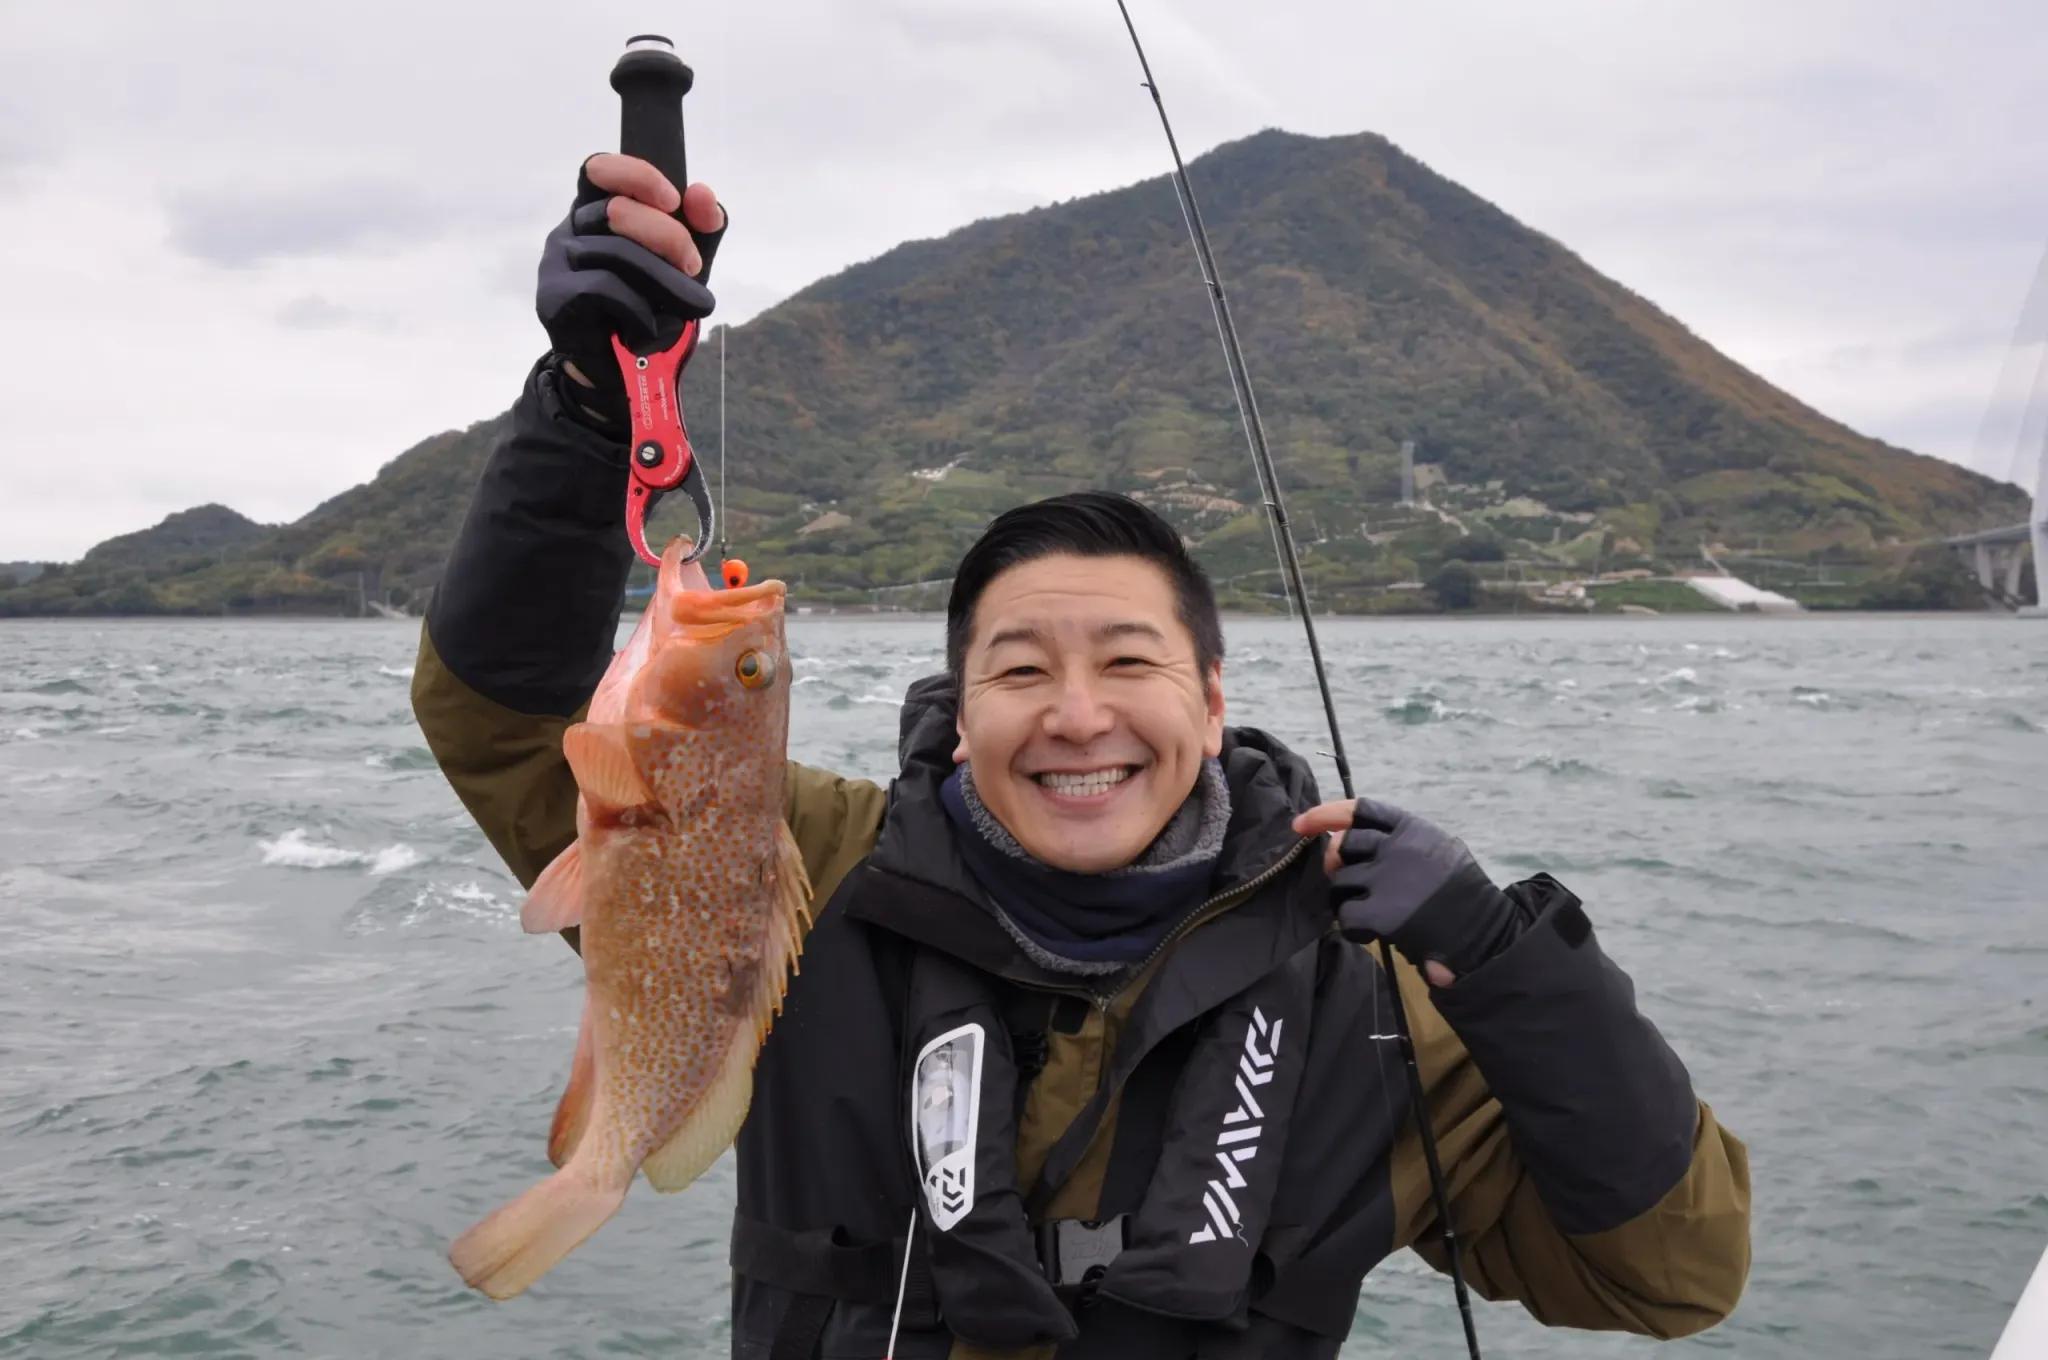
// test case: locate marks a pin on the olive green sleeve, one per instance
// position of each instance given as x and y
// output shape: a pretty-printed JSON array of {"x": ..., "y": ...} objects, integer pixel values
[
  {"x": 507, "y": 767},
  {"x": 1670, "y": 1270},
  {"x": 835, "y": 822}
]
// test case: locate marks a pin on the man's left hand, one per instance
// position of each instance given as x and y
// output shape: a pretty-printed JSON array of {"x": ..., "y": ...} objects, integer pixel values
[{"x": 1398, "y": 877}]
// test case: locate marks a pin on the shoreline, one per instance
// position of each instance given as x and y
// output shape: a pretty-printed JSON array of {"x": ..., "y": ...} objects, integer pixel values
[{"x": 1572, "y": 617}]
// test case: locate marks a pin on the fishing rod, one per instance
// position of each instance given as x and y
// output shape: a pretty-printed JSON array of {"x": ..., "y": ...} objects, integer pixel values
[{"x": 1290, "y": 565}]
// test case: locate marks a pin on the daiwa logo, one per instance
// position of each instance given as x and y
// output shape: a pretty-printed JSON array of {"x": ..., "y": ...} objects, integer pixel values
[
  {"x": 1238, "y": 1142},
  {"x": 945, "y": 1119}
]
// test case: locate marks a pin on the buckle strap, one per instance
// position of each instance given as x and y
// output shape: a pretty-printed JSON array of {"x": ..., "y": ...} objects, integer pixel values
[
  {"x": 803, "y": 1326},
  {"x": 1075, "y": 1253},
  {"x": 819, "y": 1262},
  {"x": 816, "y": 1261}
]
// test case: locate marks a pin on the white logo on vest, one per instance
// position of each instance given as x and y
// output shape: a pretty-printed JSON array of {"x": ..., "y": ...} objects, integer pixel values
[
  {"x": 945, "y": 1110},
  {"x": 1239, "y": 1140}
]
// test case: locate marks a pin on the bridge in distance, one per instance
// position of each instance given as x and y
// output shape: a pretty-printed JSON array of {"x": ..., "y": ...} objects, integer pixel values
[{"x": 1998, "y": 555}]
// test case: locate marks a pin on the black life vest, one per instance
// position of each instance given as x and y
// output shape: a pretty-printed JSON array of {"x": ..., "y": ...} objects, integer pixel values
[{"x": 1190, "y": 1231}]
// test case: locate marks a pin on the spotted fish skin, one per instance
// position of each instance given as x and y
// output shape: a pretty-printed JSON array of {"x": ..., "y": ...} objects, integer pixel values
[{"x": 692, "y": 905}]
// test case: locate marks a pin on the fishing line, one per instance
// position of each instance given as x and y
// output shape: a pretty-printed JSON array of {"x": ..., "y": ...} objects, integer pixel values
[
  {"x": 1290, "y": 564},
  {"x": 723, "y": 333},
  {"x": 902, "y": 1287},
  {"x": 725, "y": 330}
]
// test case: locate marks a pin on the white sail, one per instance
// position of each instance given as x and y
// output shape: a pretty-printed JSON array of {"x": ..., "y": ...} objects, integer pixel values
[
  {"x": 2026, "y": 1332},
  {"x": 2039, "y": 520}
]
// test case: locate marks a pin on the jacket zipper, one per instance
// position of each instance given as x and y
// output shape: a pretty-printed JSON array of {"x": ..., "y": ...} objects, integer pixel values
[
  {"x": 1205, "y": 912},
  {"x": 1200, "y": 914},
  {"x": 1209, "y": 909}
]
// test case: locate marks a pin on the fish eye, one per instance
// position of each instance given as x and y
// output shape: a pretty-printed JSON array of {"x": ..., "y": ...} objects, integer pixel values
[{"x": 755, "y": 669}]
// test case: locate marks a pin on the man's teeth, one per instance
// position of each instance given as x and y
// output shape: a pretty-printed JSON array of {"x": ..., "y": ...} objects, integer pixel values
[{"x": 1096, "y": 781}]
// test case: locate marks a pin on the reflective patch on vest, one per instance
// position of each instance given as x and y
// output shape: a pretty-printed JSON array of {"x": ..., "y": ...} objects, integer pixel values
[
  {"x": 945, "y": 1109},
  {"x": 1238, "y": 1140}
]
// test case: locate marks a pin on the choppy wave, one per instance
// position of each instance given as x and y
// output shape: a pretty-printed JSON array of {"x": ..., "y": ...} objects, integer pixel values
[
  {"x": 889, "y": 698},
  {"x": 1683, "y": 676},
  {"x": 408, "y": 759},
  {"x": 292, "y": 717},
  {"x": 842, "y": 665},
  {"x": 408, "y": 905},
  {"x": 1423, "y": 706},
  {"x": 1563, "y": 767},
  {"x": 468, "y": 899},
  {"x": 1833, "y": 927},
  {"x": 296, "y": 849},
  {"x": 267, "y": 990}
]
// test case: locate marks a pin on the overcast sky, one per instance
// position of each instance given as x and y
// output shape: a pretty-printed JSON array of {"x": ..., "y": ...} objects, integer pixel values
[{"x": 253, "y": 251}]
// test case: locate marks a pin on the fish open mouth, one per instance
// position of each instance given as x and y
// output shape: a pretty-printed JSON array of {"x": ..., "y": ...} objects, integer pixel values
[{"x": 725, "y": 609}]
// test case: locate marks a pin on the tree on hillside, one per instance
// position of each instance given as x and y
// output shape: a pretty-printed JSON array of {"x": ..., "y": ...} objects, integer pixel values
[{"x": 1477, "y": 548}]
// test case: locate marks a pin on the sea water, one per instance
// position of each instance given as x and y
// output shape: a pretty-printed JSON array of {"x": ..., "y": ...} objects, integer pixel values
[{"x": 270, "y": 1035}]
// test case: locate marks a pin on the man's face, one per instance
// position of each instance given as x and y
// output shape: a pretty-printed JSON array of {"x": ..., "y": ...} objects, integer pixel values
[{"x": 1082, "y": 711}]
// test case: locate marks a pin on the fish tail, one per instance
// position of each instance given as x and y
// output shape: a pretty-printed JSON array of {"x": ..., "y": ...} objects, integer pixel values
[{"x": 519, "y": 1243}]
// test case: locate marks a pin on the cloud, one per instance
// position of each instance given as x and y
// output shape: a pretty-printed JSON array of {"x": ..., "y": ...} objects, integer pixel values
[
  {"x": 312, "y": 312},
  {"x": 1843, "y": 195},
  {"x": 240, "y": 226},
  {"x": 21, "y": 151}
]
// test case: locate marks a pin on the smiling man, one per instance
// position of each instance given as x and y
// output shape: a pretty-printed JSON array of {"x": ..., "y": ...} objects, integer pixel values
[{"x": 1085, "y": 1058}]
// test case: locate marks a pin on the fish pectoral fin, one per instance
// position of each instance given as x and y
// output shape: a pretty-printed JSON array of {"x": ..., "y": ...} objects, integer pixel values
[
  {"x": 572, "y": 1115},
  {"x": 603, "y": 764},
  {"x": 555, "y": 901},
  {"x": 715, "y": 1120}
]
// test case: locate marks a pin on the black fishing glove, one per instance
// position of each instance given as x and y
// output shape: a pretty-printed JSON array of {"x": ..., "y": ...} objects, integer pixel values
[
  {"x": 1404, "y": 879},
  {"x": 594, "y": 284}
]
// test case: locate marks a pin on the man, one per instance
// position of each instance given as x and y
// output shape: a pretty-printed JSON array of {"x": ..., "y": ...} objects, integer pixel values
[{"x": 1083, "y": 1057}]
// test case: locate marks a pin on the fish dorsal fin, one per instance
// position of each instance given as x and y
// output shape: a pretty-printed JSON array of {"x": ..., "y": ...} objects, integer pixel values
[
  {"x": 603, "y": 763},
  {"x": 715, "y": 1120},
  {"x": 555, "y": 901}
]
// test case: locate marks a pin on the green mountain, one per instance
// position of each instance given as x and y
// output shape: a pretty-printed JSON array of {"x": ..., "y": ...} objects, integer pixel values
[
  {"x": 879, "y": 417},
  {"x": 205, "y": 531},
  {"x": 383, "y": 542},
  {"x": 144, "y": 572}
]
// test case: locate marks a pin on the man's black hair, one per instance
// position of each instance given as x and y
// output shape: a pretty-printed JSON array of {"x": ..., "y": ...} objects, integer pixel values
[{"x": 1084, "y": 524}]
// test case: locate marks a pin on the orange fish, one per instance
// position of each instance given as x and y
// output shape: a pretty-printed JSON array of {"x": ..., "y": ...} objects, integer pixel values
[{"x": 692, "y": 901}]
